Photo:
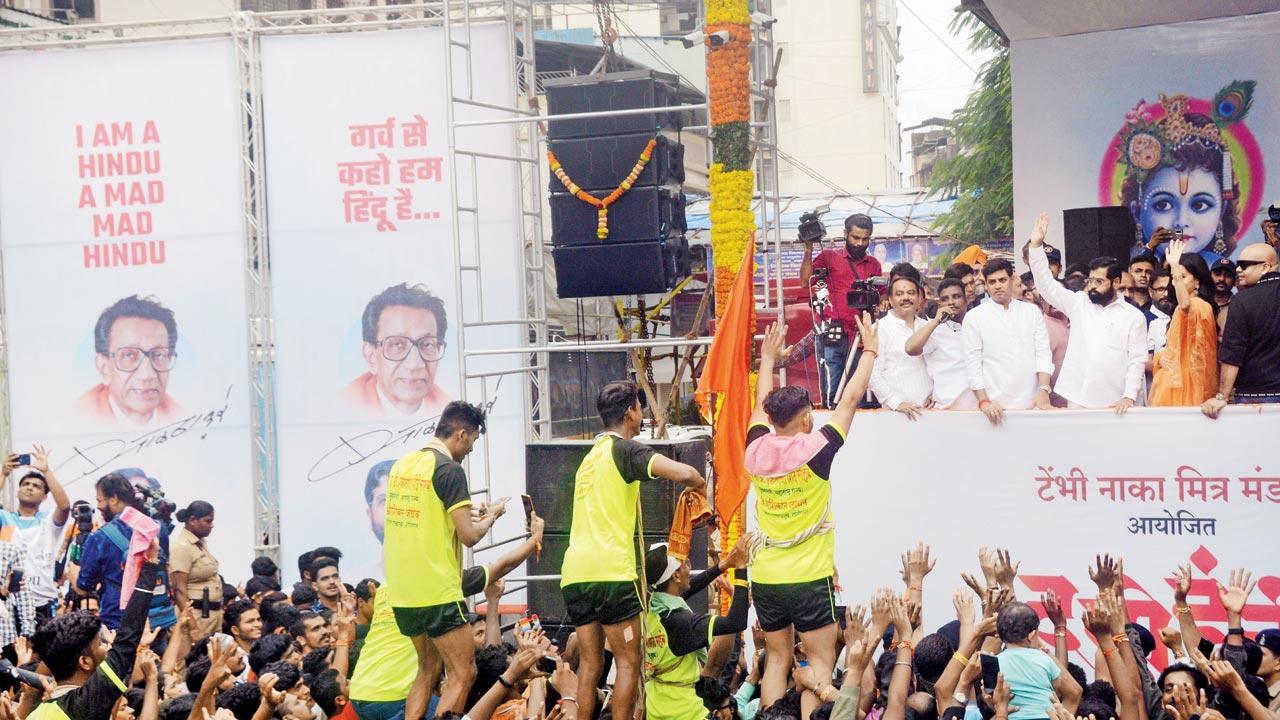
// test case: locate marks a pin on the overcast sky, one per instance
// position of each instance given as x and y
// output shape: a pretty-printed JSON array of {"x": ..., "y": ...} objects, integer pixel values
[{"x": 933, "y": 81}]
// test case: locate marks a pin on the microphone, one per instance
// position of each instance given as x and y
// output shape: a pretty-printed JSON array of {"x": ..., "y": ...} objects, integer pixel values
[{"x": 35, "y": 680}]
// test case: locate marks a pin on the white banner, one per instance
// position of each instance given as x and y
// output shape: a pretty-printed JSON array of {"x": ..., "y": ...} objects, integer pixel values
[
  {"x": 365, "y": 278},
  {"x": 1090, "y": 128},
  {"x": 120, "y": 217},
  {"x": 1161, "y": 487}
]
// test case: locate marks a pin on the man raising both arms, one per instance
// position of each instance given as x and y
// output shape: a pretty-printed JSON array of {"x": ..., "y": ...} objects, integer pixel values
[
  {"x": 428, "y": 521},
  {"x": 790, "y": 468},
  {"x": 598, "y": 577}
]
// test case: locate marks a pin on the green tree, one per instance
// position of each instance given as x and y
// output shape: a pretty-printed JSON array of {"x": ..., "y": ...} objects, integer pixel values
[{"x": 981, "y": 176}]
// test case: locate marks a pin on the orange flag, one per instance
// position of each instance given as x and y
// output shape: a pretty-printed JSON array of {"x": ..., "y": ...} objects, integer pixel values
[{"x": 726, "y": 376}]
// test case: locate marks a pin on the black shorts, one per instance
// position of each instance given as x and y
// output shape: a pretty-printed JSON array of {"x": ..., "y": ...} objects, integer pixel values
[
  {"x": 474, "y": 580},
  {"x": 807, "y": 605},
  {"x": 433, "y": 620},
  {"x": 607, "y": 603}
]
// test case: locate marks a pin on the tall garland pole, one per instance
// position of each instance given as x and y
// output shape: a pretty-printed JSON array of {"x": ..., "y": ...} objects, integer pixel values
[{"x": 732, "y": 180}]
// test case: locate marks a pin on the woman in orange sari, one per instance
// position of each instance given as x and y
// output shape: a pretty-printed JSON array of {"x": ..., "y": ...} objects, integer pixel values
[{"x": 1185, "y": 372}]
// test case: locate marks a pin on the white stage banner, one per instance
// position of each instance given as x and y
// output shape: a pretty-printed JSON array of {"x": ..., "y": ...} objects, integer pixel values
[
  {"x": 124, "y": 279},
  {"x": 1140, "y": 118},
  {"x": 365, "y": 278},
  {"x": 1161, "y": 487}
]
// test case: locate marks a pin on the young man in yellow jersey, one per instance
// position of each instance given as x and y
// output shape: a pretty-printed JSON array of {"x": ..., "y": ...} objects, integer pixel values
[
  {"x": 429, "y": 518},
  {"x": 599, "y": 576},
  {"x": 385, "y": 679},
  {"x": 790, "y": 468}
]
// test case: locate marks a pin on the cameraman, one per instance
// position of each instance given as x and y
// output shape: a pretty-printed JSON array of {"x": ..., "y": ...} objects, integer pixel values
[
  {"x": 91, "y": 677},
  {"x": 102, "y": 561},
  {"x": 843, "y": 266}
]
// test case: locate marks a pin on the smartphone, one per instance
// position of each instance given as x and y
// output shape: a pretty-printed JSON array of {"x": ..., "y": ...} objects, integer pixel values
[
  {"x": 990, "y": 671},
  {"x": 24, "y": 459},
  {"x": 528, "y": 507},
  {"x": 546, "y": 665},
  {"x": 15, "y": 581}
]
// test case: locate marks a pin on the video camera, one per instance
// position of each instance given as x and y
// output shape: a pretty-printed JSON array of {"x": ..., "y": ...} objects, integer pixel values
[
  {"x": 154, "y": 504},
  {"x": 864, "y": 295},
  {"x": 811, "y": 228}
]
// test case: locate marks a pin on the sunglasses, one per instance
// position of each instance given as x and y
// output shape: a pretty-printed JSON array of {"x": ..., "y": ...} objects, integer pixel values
[{"x": 1246, "y": 264}]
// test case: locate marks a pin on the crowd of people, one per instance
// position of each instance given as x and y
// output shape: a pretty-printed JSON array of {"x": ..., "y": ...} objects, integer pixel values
[
  {"x": 120, "y": 610},
  {"x": 1162, "y": 328}
]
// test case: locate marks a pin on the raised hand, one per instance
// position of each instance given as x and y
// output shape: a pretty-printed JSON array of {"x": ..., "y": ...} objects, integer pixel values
[
  {"x": 1223, "y": 675},
  {"x": 267, "y": 686},
  {"x": 1040, "y": 229},
  {"x": 987, "y": 562},
  {"x": 882, "y": 610},
  {"x": 1001, "y": 697},
  {"x": 493, "y": 591},
  {"x": 1104, "y": 573},
  {"x": 994, "y": 599},
  {"x": 1006, "y": 570},
  {"x": 1236, "y": 593},
  {"x": 1181, "y": 583},
  {"x": 855, "y": 625},
  {"x": 740, "y": 553},
  {"x": 148, "y": 662},
  {"x": 40, "y": 458},
  {"x": 1115, "y": 610},
  {"x": 869, "y": 331},
  {"x": 1097, "y": 620},
  {"x": 1171, "y": 639},
  {"x": 1053, "y": 609},
  {"x": 775, "y": 339},
  {"x": 916, "y": 564},
  {"x": 964, "y": 611},
  {"x": 900, "y": 616},
  {"x": 1163, "y": 235},
  {"x": 1174, "y": 252},
  {"x": 1187, "y": 702}
]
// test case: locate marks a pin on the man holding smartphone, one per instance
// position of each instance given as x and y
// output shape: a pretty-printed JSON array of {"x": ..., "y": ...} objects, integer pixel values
[
  {"x": 38, "y": 531},
  {"x": 429, "y": 518},
  {"x": 942, "y": 344}
]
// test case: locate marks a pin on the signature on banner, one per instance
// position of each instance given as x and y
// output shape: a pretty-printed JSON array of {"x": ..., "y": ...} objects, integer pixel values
[
  {"x": 353, "y": 450},
  {"x": 1188, "y": 483},
  {"x": 91, "y": 459},
  {"x": 1147, "y": 611}
]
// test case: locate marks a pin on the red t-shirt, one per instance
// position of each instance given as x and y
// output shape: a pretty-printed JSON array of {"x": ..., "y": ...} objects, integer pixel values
[{"x": 842, "y": 270}]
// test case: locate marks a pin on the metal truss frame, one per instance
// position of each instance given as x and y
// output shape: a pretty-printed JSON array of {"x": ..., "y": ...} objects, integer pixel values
[{"x": 245, "y": 29}]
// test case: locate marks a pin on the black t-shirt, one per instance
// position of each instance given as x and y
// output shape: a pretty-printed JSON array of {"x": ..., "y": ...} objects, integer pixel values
[
  {"x": 449, "y": 481},
  {"x": 1251, "y": 338},
  {"x": 820, "y": 463},
  {"x": 632, "y": 459}
]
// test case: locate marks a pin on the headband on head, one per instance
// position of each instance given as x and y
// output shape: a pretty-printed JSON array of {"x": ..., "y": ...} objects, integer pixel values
[{"x": 672, "y": 564}]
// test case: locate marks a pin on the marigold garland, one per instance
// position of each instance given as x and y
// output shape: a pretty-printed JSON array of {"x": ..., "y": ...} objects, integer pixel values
[
  {"x": 732, "y": 224},
  {"x": 602, "y": 204},
  {"x": 728, "y": 11},
  {"x": 728, "y": 73},
  {"x": 732, "y": 182}
]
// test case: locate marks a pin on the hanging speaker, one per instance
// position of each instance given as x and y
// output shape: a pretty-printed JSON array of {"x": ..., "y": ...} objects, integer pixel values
[{"x": 1094, "y": 232}]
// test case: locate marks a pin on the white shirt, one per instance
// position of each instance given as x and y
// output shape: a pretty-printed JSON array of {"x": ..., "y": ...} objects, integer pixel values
[
  {"x": 1107, "y": 353},
  {"x": 42, "y": 539},
  {"x": 944, "y": 357},
  {"x": 896, "y": 376},
  {"x": 1157, "y": 331},
  {"x": 1004, "y": 348}
]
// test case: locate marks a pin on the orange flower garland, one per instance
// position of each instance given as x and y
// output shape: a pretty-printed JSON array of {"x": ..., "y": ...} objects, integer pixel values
[
  {"x": 728, "y": 73},
  {"x": 602, "y": 205}
]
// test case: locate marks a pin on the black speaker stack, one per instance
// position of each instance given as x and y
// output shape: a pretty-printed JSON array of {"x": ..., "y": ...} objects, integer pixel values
[
  {"x": 645, "y": 251},
  {"x": 1095, "y": 232},
  {"x": 550, "y": 468}
]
